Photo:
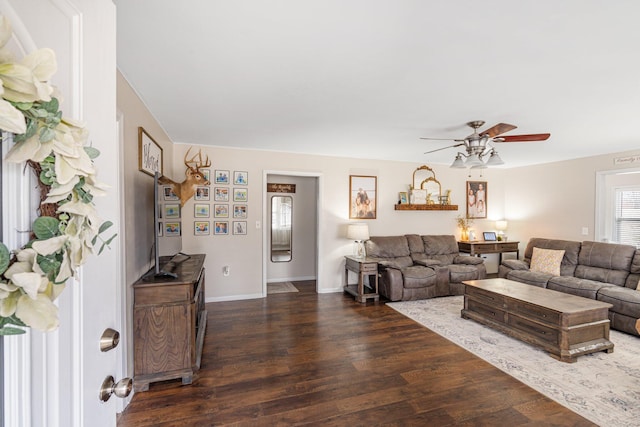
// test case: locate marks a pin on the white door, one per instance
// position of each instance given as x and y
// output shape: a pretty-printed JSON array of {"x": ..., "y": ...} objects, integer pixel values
[{"x": 60, "y": 385}]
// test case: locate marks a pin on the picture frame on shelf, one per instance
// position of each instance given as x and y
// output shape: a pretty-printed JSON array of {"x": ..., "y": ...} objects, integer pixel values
[
  {"x": 222, "y": 177},
  {"x": 240, "y": 211},
  {"x": 149, "y": 154},
  {"x": 220, "y": 211},
  {"x": 201, "y": 210},
  {"x": 240, "y": 178},
  {"x": 172, "y": 210},
  {"x": 240, "y": 195},
  {"x": 201, "y": 228},
  {"x": 476, "y": 197},
  {"x": 221, "y": 227},
  {"x": 403, "y": 197},
  {"x": 239, "y": 227},
  {"x": 172, "y": 229},
  {"x": 221, "y": 194},
  {"x": 363, "y": 197}
]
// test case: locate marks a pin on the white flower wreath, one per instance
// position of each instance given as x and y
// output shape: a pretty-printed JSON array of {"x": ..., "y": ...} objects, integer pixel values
[{"x": 68, "y": 227}]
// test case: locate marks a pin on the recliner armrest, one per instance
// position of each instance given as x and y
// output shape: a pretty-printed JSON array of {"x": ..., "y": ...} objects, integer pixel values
[
  {"x": 427, "y": 262},
  {"x": 468, "y": 260},
  {"x": 515, "y": 264}
]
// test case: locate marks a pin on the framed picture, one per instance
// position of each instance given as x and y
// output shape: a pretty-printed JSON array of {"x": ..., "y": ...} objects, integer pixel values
[
  {"x": 240, "y": 194},
  {"x": 221, "y": 211},
  {"x": 149, "y": 154},
  {"x": 201, "y": 210},
  {"x": 172, "y": 211},
  {"x": 476, "y": 199},
  {"x": 240, "y": 178},
  {"x": 221, "y": 194},
  {"x": 169, "y": 195},
  {"x": 239, "y": 227},
  {"x": 202, "y": 193},
  {"x": 239, "y": 211},
  {"x": 403, "y": 198},
  {"x": 222, "y": 177},
  {"x": 221, "y": 227},
  {"x": 206, "y": 173},
  {"x": 362, "y": 197},
  {"x": 201, "y": 228},
  {"x": 171, "y": 229}
]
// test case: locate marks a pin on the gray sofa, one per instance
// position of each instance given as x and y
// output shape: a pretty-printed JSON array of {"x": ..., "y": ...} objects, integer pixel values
[
  {"x": 415, "y": 267},
  {"x": 603, "y": 271}
]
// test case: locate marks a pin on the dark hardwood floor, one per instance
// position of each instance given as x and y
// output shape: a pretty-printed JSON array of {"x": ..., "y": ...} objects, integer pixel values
[{"x": 323, "y": 359}]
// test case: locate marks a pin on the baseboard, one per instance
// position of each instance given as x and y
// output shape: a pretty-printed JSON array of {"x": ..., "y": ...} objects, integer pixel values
[{"x": 291, "y": 279}]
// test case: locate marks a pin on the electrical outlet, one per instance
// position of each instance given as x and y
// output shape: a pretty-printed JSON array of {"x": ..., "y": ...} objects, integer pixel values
[{"x": 225, "y": 270}]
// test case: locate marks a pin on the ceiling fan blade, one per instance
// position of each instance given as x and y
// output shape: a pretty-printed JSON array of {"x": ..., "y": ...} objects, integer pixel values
[
  {"x": 498, "y": 129},
  {"x": 443, "y": 139},
  {"x": 523, "y": 138},
  {"x": 444, "y": 148}
]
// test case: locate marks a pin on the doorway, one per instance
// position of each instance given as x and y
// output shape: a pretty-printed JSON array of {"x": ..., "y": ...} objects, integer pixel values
[{"x": 301, "y": 191}]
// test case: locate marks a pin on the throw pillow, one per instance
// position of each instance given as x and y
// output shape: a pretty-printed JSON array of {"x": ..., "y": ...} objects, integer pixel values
[{"x": 546, "y": 261}]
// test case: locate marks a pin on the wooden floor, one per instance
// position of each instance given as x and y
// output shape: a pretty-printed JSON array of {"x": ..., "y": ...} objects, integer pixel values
[{"x": 322, "y": 359}]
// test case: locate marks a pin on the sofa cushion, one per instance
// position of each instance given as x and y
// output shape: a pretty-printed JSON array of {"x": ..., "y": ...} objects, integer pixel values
[
  {"x": 415, "y": 244},
  {"x": 573, "y": 285},
  {"x": 418, "y": 276},
  {"x": 387, "y": 246},
  {"x": 624, "y": 300},
  {"x": 546, "y": 261},
  {"x": 530, "y": 277},
  {"x": 425, "y": 261},
  {"x": 515, "y": 264},
  {"x": 571, "y": 250},
  {"x": 444, "y": 248},
  {"x": 605, "y": 262},
  {"x": 468, "y": 260},
  {"x": 397, "y": 262}
]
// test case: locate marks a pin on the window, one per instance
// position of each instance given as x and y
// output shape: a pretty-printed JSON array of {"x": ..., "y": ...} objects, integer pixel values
[{"x": 626, "y": 228}]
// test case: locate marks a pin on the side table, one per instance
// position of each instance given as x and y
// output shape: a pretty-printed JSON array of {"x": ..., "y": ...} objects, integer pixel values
[
  {"x": 476, "y": 248},
  {"x": 362, "y": 267}
]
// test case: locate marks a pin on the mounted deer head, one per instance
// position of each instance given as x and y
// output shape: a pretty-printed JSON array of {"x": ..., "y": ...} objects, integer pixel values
[{"x": 194, "y": 177}]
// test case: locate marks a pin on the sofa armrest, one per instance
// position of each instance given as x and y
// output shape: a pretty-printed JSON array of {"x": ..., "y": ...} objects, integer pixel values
[
  {"x": 468, "y": 260},
  {"x": 391, "y": 283},
  {"x": 515, "y": 264},
  {"x": 427, "y": 262}
]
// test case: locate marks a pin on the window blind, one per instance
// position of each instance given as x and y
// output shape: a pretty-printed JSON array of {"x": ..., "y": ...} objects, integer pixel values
[{"x": 627, "y": 218}]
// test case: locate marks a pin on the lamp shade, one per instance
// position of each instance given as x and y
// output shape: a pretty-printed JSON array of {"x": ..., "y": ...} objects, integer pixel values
[
  {"x": 494, "y": 159},
  {"x": 473, "y": 160},
  {"x": 458, "y": 163},
  {"x": 501, "y": 225},
  {"x": 358, "y": 232}
]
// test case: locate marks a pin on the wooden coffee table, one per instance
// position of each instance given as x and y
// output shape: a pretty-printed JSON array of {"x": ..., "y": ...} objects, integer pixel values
[{"x": 566, "y": 326}]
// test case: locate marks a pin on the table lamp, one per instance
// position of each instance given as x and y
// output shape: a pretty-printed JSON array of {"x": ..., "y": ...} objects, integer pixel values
[
  {"x": 501, "y": 226},
  {"x": 358, "y": 233}
]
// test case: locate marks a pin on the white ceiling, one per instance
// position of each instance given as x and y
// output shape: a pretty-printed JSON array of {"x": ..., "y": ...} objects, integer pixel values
[{"x": 368, "y": 78}]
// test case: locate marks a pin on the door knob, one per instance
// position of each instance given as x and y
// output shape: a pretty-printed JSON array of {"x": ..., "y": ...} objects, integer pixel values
[
  {"x": 121, "y": 389},
  {"x": 109, "y": 339}
]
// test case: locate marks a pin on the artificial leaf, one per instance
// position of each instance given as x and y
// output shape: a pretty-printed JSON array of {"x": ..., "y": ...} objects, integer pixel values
[
  {"x": 45, "y": 227},
  {"x": 40, "y": 313},
  {"x": 4, "y": 257}
]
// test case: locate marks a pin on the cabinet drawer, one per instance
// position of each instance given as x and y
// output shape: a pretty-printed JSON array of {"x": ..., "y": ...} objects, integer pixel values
[
  {"x": 509, "y": 246},
  {"x": 531, "y": 311},
  {"x": 163, "y": 294},
  {"x": 485, "y": 296},
  {"x": 537, "y": 330},
  {"x": 486, "y": 311}
]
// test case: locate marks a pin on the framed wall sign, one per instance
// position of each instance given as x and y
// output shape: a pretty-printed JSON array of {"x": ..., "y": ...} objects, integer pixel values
[{"x": 149, "y": 154}]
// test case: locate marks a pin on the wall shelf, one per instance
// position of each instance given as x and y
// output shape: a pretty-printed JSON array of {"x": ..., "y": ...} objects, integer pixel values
[{"x": 408, "y": 207}]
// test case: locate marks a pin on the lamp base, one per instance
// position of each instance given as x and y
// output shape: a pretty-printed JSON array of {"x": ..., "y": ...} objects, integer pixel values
[{"x": 359, "y": 250}]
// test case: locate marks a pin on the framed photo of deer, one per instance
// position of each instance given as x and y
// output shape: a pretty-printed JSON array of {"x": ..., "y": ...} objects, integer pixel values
[{"x": 149, "y": 154}]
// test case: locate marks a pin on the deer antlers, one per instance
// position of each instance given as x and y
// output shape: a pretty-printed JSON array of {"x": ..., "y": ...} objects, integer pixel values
[
  {"x": 194, "y": 178},
  {"x": 194, "y": 165}
]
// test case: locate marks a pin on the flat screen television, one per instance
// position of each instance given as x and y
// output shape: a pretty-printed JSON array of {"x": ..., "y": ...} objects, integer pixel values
[{"x": 165, "y": 243}]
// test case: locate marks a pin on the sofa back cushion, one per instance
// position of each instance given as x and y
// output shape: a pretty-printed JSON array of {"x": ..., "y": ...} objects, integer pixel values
[
  {"x": 634, "y": 278},
  {"x": 416, "y": 247},
  {"x": 605, "y": 262},
  {"x": 571, "y": 250},
  {"x": 387, "y": 247},
  {"x": 443, "y": 248}
]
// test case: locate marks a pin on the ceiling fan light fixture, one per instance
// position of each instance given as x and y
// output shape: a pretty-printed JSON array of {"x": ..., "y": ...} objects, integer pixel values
[
  {"x": 473, "y": 160},
  {"x": 458, "y": 163},
  {"x": 494, "y": 159}
]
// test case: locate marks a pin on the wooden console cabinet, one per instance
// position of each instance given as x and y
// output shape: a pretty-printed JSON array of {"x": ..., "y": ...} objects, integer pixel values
[{"x": 169, "y": 321}]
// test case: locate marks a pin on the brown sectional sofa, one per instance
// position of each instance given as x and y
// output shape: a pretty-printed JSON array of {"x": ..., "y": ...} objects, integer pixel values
[
  {"x": 603, "y": 271},
  {"x": 415, "y": 267}
]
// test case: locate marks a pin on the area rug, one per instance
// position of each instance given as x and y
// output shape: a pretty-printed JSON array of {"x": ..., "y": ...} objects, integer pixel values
[
  {"x": 280, "y": 288},
  {"x": 604, "y": 388}
]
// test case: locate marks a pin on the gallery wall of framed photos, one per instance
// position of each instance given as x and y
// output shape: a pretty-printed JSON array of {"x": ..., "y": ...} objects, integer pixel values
[{"x": 219, "y": 209}]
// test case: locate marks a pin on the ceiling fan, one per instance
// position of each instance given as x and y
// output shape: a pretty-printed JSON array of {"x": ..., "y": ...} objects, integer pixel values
[{"x": 477, "y": 145}]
